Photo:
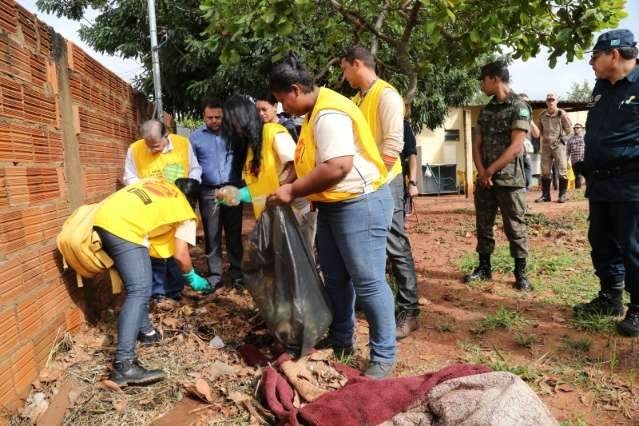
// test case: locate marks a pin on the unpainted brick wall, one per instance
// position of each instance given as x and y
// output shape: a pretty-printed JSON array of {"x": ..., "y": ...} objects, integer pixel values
[{"x": 41, "y": 182}]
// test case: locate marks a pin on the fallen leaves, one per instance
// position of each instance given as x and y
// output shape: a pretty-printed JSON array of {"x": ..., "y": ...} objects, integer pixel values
[
  {"x": 110, "y": 385},
  {"x": 200, "y": 389}
]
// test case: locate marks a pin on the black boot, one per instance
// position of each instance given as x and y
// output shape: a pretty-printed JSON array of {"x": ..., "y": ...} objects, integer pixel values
[
  {"x": 608, "y": 302},
  {"x": 545, "y": 191},
  {"x": 130, "y": 372},
  {"x": 630, "y": 324},
  {"x": 563, "y": 187},
  {"x": 482, "y": 272},
  {"x": 521, "y": 280}
]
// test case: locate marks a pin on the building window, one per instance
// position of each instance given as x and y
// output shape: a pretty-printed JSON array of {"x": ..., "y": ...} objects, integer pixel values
[{"x": 451, "y": 135}]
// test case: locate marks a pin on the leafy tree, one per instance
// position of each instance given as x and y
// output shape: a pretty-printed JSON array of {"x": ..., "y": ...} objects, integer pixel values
[
  {"x": 580, "y": 92},
  {"x": 422, "y": 46},
  {"x": 429, "y": 49}
]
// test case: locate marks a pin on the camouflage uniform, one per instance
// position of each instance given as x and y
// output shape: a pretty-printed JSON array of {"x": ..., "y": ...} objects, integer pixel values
[
  {"x": 554, "y": 131},
  {"x": 495, "y": 124}
]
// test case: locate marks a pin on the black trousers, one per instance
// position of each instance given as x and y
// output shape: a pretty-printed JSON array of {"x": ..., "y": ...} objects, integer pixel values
[
  {"x": 614, "y": 237},
  {"x": 216, "y": 219}
]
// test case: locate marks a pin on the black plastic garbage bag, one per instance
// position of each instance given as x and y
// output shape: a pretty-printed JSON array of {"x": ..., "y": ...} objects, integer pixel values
[{"x": 281, "y": 275}]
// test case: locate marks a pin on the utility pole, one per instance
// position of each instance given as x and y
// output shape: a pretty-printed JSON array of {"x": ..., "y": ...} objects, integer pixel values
[{"x": 155, "y": 56}]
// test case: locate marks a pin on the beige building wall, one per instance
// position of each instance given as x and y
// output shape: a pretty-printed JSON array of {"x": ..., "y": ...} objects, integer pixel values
[{"x": 435, "y": 150}]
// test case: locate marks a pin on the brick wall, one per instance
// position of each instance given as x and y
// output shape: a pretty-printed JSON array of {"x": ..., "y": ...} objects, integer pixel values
[{"x": 65, "y": 124}]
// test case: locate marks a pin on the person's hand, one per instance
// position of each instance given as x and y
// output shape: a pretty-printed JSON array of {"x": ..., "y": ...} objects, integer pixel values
[
  {"x": 196, "y": 282},
  {"x": 284, "y": 195},
  {"x": 412, "y": 190},
  {"x": 486, "y": 179}
]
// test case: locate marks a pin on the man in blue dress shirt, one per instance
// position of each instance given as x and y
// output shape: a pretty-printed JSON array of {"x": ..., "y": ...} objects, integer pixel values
[
  {"x": 218, "y": 169},
  {"x": 612, "y": 169}
]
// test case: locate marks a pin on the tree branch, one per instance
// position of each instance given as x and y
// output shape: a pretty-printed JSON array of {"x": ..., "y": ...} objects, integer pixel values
[
  {"x": 326, "y": 67},
  {"x": 378, "y": 26},
  {"x": 403, "y": 57},
  {"x": 358, "y": 20}
]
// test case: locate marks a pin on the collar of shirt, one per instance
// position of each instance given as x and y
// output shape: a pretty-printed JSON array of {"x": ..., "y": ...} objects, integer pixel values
[
  {"x": 634, "y": 75},
  {"x": 205, "y": 129}
]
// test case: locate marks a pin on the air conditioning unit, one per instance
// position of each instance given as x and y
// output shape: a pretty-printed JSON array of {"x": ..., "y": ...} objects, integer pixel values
[{"x": 439, "y": 179}]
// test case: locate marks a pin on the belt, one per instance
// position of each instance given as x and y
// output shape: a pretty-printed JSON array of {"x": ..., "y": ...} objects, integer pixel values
[{"x": 621, "y": 169}]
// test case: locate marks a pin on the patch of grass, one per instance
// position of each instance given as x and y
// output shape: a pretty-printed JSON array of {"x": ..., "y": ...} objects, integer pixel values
[
  {"x": 540, "y": 220},
  {"x": 578, "y": 346},
  {"x": 463, "y": 211},
  {"x": 576, "y": 422},
  {"x": 527, "y": 341},
  {"x": 594, "y": 323},
  {"x": 504, "y": 319},
  {"x": 497, "y": 361},
  {"x": 445, "y": 327}
]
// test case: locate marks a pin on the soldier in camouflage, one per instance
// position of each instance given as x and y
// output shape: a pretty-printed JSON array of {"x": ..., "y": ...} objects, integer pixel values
[{"x": 498, "y": 156}]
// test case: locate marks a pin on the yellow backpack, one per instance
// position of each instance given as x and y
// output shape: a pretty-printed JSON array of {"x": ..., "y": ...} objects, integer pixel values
[{"x": 81, "y": 247}]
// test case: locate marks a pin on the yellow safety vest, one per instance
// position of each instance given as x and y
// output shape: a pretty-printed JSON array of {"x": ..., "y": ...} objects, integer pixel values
[
  {"x": 267, "y": 181},
  {"x": 169, "y": 165},
  {"x": 368, "y": 105},
  {"x": 134, "y": 212},
  {"x": 306, "y": 150}
]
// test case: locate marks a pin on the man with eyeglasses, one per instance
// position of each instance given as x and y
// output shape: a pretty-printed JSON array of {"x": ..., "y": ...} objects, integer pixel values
[
  {"x": 612, "y": 167},
  {"x": 169, "y": 156},
  {"x": 555, "y": 127}
]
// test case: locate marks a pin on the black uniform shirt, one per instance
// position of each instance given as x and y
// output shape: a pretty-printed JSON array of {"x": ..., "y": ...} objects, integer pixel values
[{"x": 612, "y": 138}]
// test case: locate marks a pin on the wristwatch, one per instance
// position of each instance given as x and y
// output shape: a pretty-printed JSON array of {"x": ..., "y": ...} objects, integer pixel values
[{"x": 412, "y": 182}]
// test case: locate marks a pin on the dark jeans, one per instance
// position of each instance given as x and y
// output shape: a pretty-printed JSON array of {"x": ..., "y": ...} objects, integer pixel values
[
  {"x": 580, "y": 173},
  {"x": 614, "y": 238},
  {"x": 400, "y": 253},
  {"x": 215, "y": 218},
  {"x": 134, "y": 266},
  {"x": 167, "y": 278},
  {"x": 528, "y": 171},
  {"x": 351, "y": 239}
]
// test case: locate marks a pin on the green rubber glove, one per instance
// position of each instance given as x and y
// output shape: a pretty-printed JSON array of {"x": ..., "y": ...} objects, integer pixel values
[
  {"x": 196, "y": 282},
  {"x": 245, "y": 195}
]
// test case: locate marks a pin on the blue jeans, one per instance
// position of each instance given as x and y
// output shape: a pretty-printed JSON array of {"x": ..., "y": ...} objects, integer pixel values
[
  {"x": 134, "y": 265},
  {"x": 351, "y": 238},
  {"x": 167, "y": 278}
]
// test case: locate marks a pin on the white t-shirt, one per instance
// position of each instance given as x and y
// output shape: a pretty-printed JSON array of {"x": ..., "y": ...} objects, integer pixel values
[
  {"x": 284, "y": 147},
  {"x": 185, "y": 231},
  {"x": 335, "y": 137}
]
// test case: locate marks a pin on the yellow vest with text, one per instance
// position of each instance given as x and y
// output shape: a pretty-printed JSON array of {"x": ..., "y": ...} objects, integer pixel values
[
  {"x": 136, "y": 210},
  {"x": 306, "y": 150},
  {"x": 267, "y": 181},
  {"x": 169, "y": 165},
  {"x": 368, "y": 106}
]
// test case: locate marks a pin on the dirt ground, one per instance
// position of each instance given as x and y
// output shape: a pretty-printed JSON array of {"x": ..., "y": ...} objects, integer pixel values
[
  {"x": 581, "y": 368},
  {"x": 592, "y": 383}
]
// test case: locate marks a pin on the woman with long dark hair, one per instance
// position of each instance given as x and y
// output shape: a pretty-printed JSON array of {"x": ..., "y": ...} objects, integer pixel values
[
  {"x": 339, "y": 168},
  {"x": 264, "y": 151}
]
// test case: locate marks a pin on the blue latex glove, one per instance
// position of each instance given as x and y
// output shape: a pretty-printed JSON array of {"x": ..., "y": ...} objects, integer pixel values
[
  {"x": 196, "y": 282},
  {"x": 245, "y": 195}
]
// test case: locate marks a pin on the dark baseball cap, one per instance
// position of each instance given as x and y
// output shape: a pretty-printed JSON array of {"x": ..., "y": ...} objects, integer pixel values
[{"x": 614, "y": 39}]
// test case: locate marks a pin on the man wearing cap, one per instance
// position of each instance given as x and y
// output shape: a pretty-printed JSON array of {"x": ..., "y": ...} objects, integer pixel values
[
  {"x": 612, "y": 167},
  {"x": 575, "y": 147},
  {"x": 555, "y": 127}
]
